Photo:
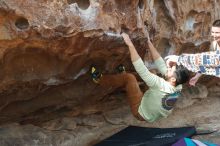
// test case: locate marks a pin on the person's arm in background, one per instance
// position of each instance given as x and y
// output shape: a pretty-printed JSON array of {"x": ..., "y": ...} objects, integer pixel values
[
  {"x": 195, "y": 79},
  {"x": 206, "y": 63},
  {"x": 207, "y": 59}
]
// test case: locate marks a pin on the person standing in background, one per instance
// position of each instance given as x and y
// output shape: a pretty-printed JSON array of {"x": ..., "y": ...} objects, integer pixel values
[{"x": 203, "y": 68}]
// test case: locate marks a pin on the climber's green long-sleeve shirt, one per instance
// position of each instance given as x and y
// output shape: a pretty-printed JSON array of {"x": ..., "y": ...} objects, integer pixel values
[{"x": 153, "y": 105}]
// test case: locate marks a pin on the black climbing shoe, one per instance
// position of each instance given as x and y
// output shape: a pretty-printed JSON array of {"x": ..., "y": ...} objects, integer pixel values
[
  {"x": 95, "y": 74},
  {"x": 120, "y": 68}
]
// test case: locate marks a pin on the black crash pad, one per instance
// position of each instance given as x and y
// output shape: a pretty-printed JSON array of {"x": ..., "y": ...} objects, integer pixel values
[{"x": 143, "y": 136}]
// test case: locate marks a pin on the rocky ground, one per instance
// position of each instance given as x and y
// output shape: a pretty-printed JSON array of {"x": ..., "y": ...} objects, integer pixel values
[{"x": 198, "y": 107}]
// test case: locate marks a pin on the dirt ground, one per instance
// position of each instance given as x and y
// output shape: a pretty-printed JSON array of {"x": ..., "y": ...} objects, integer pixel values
[{"x": 197, "y": 107}]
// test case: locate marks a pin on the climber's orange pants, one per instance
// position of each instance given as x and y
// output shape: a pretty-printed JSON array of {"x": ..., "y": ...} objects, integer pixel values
[{"x": 129, "y": 81}]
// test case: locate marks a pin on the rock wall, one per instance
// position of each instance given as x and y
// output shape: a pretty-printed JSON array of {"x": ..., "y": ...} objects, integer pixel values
[{"x": 48, "y": 46}]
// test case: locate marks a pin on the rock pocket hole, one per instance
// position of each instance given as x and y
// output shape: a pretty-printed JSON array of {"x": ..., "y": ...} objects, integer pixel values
[
  {"x": 141, "y": 4},
  {"x": 83, "y": 4},
  {"x": 22, "y": 23}
]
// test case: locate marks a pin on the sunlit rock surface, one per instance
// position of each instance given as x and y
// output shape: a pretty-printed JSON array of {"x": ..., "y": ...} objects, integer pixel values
[{"x": 48, "y": 46}]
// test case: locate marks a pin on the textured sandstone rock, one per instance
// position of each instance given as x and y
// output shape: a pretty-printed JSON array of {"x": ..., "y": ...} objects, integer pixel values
[{"x": 47, "y": 47}]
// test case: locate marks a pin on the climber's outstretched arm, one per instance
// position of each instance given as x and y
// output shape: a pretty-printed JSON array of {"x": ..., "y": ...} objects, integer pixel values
[
  {"x": 133, "y": 52},
  {"x": 155, "y": 54}
]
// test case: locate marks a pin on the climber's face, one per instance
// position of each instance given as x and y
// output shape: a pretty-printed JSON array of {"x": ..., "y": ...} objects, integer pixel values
[
  {"x": 215, "y": 33},
  {"x": 171, "y": 71}
]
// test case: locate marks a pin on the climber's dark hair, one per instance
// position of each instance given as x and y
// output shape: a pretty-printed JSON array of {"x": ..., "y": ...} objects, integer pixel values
[{"x": 182, "y": 74}]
